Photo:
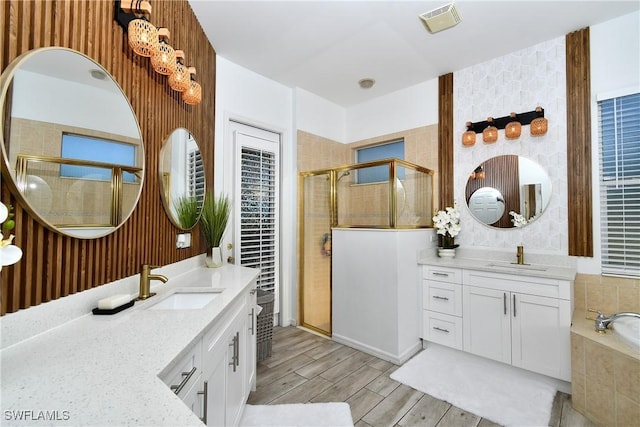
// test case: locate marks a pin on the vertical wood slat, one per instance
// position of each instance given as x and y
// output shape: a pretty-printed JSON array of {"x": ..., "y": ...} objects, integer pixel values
[
  {"x": 53, "y": 265},
  {"x": 579, "y": 143},
  {"x": 445, "y": 140}
]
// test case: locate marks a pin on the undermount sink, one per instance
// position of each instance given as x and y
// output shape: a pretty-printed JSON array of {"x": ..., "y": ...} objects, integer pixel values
[
  {"x": 186, "y": 300},
  {"x": 518, "y": 266}
]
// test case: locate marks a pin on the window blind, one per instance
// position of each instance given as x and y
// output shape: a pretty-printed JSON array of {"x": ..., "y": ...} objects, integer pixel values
[
  {"x": 620, "y": 184},
  {"x": 196, "y": 176},
  {"x": 259, "y": 215}
]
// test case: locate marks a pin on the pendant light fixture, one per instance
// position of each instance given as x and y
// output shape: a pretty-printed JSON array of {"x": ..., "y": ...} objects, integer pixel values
[
  {"x": 163, "y": 59},
  {"x": 469, "y": 137},
  {"x": 193, "y": 95},
  {"x": 142, "y": 34},
  {"x": 513, "y": 129},
  {"x": 180, "y": 80},
  {"x": 540, "y": 124},
  {"x": 490, "y": 133}
]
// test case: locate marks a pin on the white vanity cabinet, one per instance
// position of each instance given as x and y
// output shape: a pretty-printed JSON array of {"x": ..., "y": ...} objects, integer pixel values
[
  {"x": 512, "y": 318},
  {"x": 217, "y": 374},
  {"x": 442, "y": 306}
]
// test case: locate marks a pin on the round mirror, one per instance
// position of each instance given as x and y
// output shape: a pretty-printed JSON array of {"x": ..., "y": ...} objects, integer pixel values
[
  {"x": 508, "y": 191},
  {"x": 71, "y": 144},
  {"x": 182, "y": 177}
]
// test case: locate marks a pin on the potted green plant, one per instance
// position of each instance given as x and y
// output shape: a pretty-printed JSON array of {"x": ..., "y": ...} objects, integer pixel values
[
  {"x": 213, "y": 223},
  {"x": 187, "y": 211}
]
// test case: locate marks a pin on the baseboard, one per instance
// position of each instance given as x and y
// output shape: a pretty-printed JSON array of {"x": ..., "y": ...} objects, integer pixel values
[{"x": 396, "y": 359}]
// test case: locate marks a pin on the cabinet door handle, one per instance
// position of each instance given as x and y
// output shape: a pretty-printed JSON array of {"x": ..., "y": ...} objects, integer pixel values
[
  {"x": 186, "y": 377},
  {"x": 514, "y": 305},
  {"x": 504, "y": 302},
  {"x": 441, "y": 329},
  {"x": 235, "y": 358},
  {"x": 440, "y": 298},
  {"x": 204, "y": 392},
  {"x": 437, "y": 273},
  {"x": 252, "y": 328},
  {"x": 253, "y": 291}
]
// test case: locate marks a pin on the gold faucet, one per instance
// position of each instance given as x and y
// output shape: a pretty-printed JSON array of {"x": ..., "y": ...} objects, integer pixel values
[
  {"x": 520, "y": 255},
  {"x": 145, "y": 281}
]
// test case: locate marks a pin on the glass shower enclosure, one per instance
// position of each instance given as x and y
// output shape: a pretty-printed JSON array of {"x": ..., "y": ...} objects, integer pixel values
[{"x": 389, "y": 194}]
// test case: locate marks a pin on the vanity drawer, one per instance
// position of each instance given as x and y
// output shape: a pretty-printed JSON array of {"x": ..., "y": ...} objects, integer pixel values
[
  {"x": 442, "y": 329},
  {"x": 185, "y": 371},
  {"x": 442, "y": 274},
  {"x": 442, "y": 297}
]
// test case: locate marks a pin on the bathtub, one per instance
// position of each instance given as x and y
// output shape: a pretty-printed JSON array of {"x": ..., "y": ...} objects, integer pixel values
[{"x": 628, "y": 330}]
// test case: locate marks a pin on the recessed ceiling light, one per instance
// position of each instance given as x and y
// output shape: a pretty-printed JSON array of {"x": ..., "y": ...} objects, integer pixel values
[
  {"x": 366, "y": 83},
  {"x": 98, "y": 74}
]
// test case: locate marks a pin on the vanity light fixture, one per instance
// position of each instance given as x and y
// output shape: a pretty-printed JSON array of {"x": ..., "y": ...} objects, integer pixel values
[
  {"x": 163, "y": 59},
  {"x": 180, "y": 80},
  {"x": 513, "y": 129},
  {"x": 147, "y": 40},
  {"x": 469, "y": 137},
  {"x": 479, "y": 172},
  {"x": 540, "y": 124},
  {"x": 193, "y": 95},
  {"x": 490, "y": 133}
]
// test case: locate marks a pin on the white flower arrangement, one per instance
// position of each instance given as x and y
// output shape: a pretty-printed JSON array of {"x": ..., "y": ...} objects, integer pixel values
[
  {"x": 447, "y": 222},
  {"x": 518, "y": 220},
  {"x": 9, "y": 254}
]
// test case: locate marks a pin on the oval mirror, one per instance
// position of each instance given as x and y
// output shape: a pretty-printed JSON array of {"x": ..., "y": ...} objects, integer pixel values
[
  {"x": 71, "y": 144},
  {"x": 182, "y": 177},
  {"x": 508, "y": 191}
]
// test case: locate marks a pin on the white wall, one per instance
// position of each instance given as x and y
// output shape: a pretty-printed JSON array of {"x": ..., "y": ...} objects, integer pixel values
[
  {"x": 404, "y": 109},
  {"x": 320, "y": 117},
  {"x": 250, "y": 98},
  {"x": 615, "y": 67}
]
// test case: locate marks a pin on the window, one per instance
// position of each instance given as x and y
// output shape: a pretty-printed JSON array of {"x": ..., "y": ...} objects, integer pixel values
[
  {"x": 196, "y": 178},
  {"x": 98, "y": 150},
  {"x": 388, "y": 150},
  {"x": 620, "y": 184}
]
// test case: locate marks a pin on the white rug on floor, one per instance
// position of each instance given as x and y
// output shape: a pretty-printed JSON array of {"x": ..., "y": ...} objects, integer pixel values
[
  {"x": 301, "y": 414},
  {"x": 492, "y": 390}
]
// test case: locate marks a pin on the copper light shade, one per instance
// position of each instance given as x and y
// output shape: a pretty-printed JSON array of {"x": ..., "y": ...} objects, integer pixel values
[
  {"x": 490, "y": 133},
  {"x": 513, "y": 129},
  {"x": 469, "y": 137},
  {"x": 193, "y": 95},
  {"x": 163, "y": 58},
  {"x": 539, "y": 125},
  {"x": 180, "y": 80}
]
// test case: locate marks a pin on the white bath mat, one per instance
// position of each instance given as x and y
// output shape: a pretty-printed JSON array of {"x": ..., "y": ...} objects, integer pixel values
[
  {"x": 300, "y": 414},
  {"x": 492, "y": 390}
]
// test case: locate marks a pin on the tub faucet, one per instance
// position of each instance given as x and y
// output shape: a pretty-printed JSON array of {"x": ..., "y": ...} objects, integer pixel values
[
  {"x": 145, "y": 281},
  {"x": 602, "y": 321}
]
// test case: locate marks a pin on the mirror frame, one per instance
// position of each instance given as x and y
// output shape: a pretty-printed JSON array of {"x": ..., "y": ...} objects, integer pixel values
[
  {"x": 166, "y": 202},
  {"x": 6, "y": 80},
  {"x": 496, "y": 181}
]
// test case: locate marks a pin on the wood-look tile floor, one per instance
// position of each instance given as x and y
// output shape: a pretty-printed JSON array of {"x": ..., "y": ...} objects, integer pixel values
[{"x": 305, "y": 367}]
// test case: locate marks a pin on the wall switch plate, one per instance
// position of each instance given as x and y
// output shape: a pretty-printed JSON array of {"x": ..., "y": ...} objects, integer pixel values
[{"x": 183, "y": 240}]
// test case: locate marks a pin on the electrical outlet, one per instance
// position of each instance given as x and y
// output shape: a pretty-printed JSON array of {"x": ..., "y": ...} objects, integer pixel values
[{"x": 183, "y": 240}]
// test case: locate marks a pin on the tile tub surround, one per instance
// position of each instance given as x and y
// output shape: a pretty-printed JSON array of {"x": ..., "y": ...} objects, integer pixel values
[
  {"x": 605, "y": 376},
  {"x": 103, "y": 370}
]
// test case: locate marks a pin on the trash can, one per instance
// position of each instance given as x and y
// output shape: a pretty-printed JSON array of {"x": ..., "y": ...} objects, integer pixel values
[{"x": 265, "y": 325}]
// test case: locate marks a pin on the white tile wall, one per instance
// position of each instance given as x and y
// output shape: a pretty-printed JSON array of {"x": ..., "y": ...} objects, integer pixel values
[{"x": 517, "y": 82}]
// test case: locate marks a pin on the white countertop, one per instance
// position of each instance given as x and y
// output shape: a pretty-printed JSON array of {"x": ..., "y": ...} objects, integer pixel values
[
  {"x": 103, "y": 370},
  {"x": 497, "y": 263}
]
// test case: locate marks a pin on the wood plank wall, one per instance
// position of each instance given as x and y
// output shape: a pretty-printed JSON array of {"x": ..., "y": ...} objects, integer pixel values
[
  {"x": 579, "y": 143},
  {"x": 53, "y": 265},
  {"x": 445, "y": 140}
]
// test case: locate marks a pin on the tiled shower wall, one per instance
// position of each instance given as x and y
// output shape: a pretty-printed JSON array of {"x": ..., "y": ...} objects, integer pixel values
[{"x": 517, "y": 82}]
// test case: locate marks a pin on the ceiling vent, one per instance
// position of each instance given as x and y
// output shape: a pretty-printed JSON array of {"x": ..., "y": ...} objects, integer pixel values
[{"x": 441, "y": 18}]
